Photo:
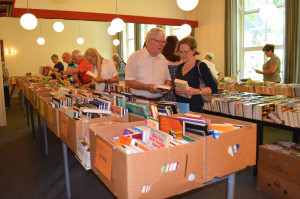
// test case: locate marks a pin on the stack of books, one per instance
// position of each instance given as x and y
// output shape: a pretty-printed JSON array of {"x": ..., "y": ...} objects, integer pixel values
[{"x": 83, "y": 154}]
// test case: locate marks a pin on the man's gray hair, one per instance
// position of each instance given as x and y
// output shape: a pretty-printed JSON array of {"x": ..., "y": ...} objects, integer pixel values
[
  {"x": 154, "y": 31},
  {"x": 77, "y": 53},
  {"x": 209, "y": 55}
]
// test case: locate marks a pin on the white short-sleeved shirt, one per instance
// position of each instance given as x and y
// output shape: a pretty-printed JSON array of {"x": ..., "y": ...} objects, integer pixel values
[
  {"x": 212, "y": 68},
  {"x": 144, "y": 68},
  {"x": 108, "y": 70}
]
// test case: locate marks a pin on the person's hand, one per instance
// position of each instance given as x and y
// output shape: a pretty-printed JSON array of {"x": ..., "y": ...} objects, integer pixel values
[
  {"x": 86, "y": 86},
  {"x": 58, "y": 75},
  {"x": 191, "y": 91},
  {"x": 99, "y": 80},
  {"x": 151, "y": 88},
  {"x": 258, "y": 71}
]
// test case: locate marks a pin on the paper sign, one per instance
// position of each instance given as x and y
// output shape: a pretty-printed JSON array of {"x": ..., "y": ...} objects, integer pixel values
[
  {"x": 103, "y": 158},
  {"x": 64, "y": 127}
]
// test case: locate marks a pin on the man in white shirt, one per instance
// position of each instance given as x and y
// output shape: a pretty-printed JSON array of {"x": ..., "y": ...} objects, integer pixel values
[
  {"x": 208, "y": 58},
  {"x": 147, "y": 67}
]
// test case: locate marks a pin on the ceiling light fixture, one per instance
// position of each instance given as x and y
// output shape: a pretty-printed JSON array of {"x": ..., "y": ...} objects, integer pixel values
[
  {"x": 116, "y": 42},
  {"x": 117, "y": 24},
  {"x": 80, "y": 40},
  {"x": 187, "y": 5},
  {"x": 185, "y": 28},
  {"x": 28, "y": 21},
  {"x": 58, "y": 26},
  {"x": 40, "y": 40}
]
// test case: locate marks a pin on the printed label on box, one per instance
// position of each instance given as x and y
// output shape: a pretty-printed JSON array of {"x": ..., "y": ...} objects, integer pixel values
[{"x": 103, "y": 158}]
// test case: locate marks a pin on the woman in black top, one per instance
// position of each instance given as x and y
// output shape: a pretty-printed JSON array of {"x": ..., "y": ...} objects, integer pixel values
[{"x": 189, "y": 72}]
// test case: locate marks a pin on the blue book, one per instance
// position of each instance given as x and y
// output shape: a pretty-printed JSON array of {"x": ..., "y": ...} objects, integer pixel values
[{"x": 183, "y": 107}]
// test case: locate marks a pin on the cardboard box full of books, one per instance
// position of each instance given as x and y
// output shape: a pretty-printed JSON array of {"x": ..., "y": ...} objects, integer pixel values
[
  {"x": 43, "y": 101},
  {"x": 231, "y": 151},
  {"x": 73, "y": 129},
  {"x": 276, "y": 186},
  {"x": 281, "y": 163},
  {"x": 52, "y": 119},
  {"x": 142, "y": 175}
]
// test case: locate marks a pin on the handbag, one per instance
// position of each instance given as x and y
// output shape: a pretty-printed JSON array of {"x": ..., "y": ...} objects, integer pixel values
[{"x": 206, "y": 98}]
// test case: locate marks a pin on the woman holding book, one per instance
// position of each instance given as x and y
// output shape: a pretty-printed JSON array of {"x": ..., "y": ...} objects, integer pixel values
[
  {"x": 104, "y": 70},
  {"x": 192, "y": 71}
]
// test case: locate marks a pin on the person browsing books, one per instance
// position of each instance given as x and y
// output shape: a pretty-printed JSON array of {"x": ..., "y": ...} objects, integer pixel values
[
  {"x": 271, "y": 69},
  {"x": 189, "y": 72},
  {"x": 71, "y": 64},
  {"x": 83, "y": 67},
  {"x": 58, "y": 67},
  {"x": 208, "y": 59},
  {"x": 120, "y": 65},
  {"x": 105, "y": 70},
  {"x": 173, "y": 62},
  {"x": 147, "y": 68}
]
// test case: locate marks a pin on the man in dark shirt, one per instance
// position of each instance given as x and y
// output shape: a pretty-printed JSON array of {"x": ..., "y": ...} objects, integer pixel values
[
  {"x": 58, "y": 67},
  {"x": 71, "y": 64}
]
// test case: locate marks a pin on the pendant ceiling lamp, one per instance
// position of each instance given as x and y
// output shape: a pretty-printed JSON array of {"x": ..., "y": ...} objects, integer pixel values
[
  {"x": 187, "y": 5},
  {"x": 117, "y": 24},
  {"x": 111, "y": 30},
  {"x": 185, "y": 28},
  {"x": 28, "y": 21},
  {"x": 40, "y": 40},
  {"x": 58, "y": 26},
  {"x": 80, "y": 40},
  {"x": 116, "y": 42}
]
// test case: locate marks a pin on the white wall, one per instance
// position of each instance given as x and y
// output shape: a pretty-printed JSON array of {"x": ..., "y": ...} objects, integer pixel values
[{"x": 30, "y": 55}]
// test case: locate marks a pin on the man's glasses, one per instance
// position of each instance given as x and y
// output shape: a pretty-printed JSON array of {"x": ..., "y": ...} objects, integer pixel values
[{"x": 158, "y": 41}]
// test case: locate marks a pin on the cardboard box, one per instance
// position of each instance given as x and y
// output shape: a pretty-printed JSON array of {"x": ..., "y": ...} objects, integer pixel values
[
  {"x": 218, "y": 162},
  {"x": 140, "y": 175},
  {"x": 38, "y": 96},
  {"x": 52, "y": 117},
  {"x": 71, "y": 129},
  {"x": 276, "y": 186},
  {"x": 279, "y": 164},
  {"x": 43, "y": 105}
]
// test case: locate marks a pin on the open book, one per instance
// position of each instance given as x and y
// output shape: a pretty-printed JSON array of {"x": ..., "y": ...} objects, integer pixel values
[{"x": 182, "y": 85}]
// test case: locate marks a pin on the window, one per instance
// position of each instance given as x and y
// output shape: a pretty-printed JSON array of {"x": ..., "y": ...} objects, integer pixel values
[
  {"x": 255, "y": 32},
  {"x": 128, "y": 41}
]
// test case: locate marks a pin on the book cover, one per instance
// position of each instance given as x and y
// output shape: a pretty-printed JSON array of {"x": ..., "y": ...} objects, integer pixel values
[
  {"x": 162, "y": 88},
  {"x": 171, "y": 126},
  {"x": 182, "y": 85},
  {"x": 159, "y": 139}
]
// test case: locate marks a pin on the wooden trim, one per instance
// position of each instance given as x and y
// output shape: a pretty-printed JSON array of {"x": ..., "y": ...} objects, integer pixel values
[{"x": 88, "y": 16}]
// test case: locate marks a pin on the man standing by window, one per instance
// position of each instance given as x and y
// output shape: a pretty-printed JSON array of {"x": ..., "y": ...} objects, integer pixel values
[{"x": 148, "y": 67}]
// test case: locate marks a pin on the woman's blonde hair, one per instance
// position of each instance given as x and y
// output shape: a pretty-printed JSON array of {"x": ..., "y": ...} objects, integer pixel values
[{"x": 92, "y": 52}]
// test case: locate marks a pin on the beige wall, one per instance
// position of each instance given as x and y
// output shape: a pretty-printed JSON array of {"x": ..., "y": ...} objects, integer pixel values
[
  {"x": 149, "y": 8},
  {"x": 211, "y": 30},
  {"x": 210, "y": 33},
  {"x": 30, "y": 55}
]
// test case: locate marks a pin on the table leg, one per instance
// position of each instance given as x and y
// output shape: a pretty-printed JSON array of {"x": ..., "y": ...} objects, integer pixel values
[
  {"x": 32, "y": 120},
  {"x": 66, "y": 167},
  {"x": 45, "y": 136},
  {"x": 296, "y": 135},
  {"x": 231, "y": 185},
  {"x": 40, "y": 136},
  {"x": 26, "y": 105}
]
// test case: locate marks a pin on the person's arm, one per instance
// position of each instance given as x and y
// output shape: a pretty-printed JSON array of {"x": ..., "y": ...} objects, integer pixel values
[
  {"x": 52, "y": 69},
  {"x": 140, "y": 86},
  {"x": 67, "y": 72},
  {"x": 272, "y": 69}
]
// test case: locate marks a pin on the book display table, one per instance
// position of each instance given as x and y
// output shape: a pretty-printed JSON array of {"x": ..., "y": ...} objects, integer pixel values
[{"x": 198, "y": 158}]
